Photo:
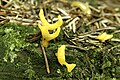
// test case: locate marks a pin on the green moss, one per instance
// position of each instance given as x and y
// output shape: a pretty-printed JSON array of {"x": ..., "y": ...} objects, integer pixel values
[{"x": 96, "y": 64}]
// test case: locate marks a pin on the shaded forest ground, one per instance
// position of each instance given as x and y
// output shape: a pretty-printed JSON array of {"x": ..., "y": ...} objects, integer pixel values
[{"x": 21, "y": 56}]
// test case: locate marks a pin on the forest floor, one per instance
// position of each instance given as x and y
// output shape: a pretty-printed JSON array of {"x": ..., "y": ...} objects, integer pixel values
[{"x": 21, "y": 55}]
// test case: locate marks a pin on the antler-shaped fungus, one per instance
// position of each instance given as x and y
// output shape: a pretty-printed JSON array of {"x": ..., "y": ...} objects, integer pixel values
[
  {"x": 104, "y": 36},
  {"x": 83, "y": 6},
  {"x": 61, "y": 58},
  {"x": 46, "y": 36}
]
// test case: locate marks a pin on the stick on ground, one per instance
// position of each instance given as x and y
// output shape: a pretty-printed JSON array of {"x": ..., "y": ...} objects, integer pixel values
[{"x": 46, "y": 61}]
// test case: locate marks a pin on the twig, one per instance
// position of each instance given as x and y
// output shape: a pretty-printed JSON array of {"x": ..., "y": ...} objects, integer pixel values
[
  {"x": 110, "y": 14},
  {"x": 116, "y": 40},
  {"x": 62, "y": 11},
  {"x": 93, "y": 21},
  {"x": 117, "y": 31},
  {"x": 77, "y": 47},
  {"x": 72, "y": 25},
  {"x": 29, "y": 21},
  {"x": 100, "y": 29},
  {"x": 93, "y": 8},
  {"x": 118, "y": 19},
  {"x": 46, "y": 61}
]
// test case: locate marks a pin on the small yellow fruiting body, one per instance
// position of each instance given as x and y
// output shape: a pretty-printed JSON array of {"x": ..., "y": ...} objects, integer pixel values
[
  {"x": 44, "y": 43},
  {"x": 61, "y": 58},
  {"x": 45, "y": 27},
  {"x": 46, "y": 35},
  {"x": 61, "y": 55},
  {"x": 70, "y": 67},
  {"x": 104, "y": 36},
  {"x": 51, "y": 26},
  {"x": 83, "y": 6}
]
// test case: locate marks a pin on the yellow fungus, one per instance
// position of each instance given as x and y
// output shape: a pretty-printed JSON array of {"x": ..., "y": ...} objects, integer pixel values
[
  {"x": 54, "y": 35},
  {"x": 45, "y": 27},
  {"x": 61, "y": 59},
  {"x": 44, "y": 31},
  {"x": 51, "y": 26},
  {"x": 70, "y": 67},
  {"x": 104, "y": 36},
  {"x": 83, "y": 6},
  {"x": 44, "y": 43},
  {"x": 47, "y": 35},
  {"x": 42, "y": 18},
  {"x": 61, "y": 55}
]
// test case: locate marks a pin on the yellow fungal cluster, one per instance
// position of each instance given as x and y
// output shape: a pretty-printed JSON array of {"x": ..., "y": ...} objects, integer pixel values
[
  {"x": 61, "y": 58},
  {"x": 45, "y": 27},
  {"x": 83, "y": 6},
  {"x": 104, "y": 36},
  {"x": 46, "y": 37}
]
